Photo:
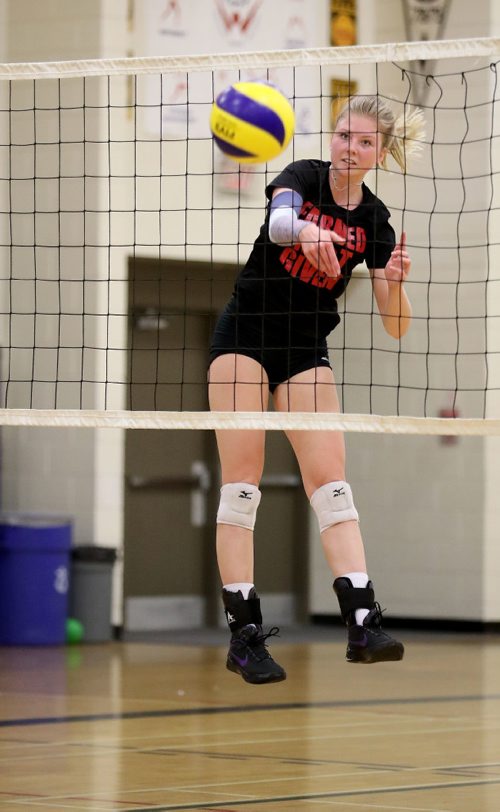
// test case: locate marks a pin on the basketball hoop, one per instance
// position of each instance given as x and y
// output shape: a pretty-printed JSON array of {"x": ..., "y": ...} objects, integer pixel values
[{"x": 424, "y": 20}]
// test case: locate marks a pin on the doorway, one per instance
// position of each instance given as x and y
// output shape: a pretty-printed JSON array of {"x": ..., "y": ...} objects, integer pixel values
[{"x": 172, "y": 476}]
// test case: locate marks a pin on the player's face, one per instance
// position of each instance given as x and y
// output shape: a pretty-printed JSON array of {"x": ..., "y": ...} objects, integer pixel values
[{"x": 356, "y": 146}]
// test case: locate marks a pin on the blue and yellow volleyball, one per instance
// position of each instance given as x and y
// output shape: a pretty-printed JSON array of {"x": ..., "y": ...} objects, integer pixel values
[{"x": 252, "y": 122}]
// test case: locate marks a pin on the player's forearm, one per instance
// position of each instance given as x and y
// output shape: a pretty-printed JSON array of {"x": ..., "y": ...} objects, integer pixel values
[
  {"x": 285, "y": 226},
  {"x": 396, "y": 310}
]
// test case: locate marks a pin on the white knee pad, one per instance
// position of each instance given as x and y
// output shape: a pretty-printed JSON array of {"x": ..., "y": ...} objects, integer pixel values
[
  {"x": 238, "y": 504},
  {"x": 333, "y": 504}
]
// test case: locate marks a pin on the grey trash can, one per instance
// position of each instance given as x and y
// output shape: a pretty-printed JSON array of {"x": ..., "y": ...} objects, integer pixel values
[{"x": 90, "y": 591}]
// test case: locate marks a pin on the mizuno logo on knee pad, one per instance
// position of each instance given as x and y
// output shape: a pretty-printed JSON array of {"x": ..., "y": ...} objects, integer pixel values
[
  {"x": 238, "y": 504},
  {"x": 333, "y": 504}
]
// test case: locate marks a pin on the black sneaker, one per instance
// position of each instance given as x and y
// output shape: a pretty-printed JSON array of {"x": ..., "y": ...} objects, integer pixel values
[
  {"x": 369, "y": 644},
  {"x": 249, "y": 657}
]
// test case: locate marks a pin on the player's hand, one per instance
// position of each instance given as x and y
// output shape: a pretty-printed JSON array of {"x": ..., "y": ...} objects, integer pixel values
[
  {"x": 318, "y": 247},
  {"x": 398, "y": 267}
]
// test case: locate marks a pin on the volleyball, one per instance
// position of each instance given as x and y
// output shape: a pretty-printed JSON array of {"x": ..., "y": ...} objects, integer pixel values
[{"x": 252, "y": 122}]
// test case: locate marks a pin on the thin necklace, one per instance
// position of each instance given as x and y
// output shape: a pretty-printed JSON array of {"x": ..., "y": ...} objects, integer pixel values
[{"x": 342, "y": 188}]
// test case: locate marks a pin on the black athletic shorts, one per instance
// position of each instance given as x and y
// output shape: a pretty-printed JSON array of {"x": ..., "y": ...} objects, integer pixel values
[{"x": 262, "y": 338}]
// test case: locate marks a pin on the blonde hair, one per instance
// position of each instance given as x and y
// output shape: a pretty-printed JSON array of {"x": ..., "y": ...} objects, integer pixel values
[{"x": 402, "y": 135}]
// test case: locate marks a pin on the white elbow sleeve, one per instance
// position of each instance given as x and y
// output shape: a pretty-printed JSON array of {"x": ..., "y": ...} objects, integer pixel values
[
  {"x": 284, "y": 223},
  {"x": 285, "y": 226}
]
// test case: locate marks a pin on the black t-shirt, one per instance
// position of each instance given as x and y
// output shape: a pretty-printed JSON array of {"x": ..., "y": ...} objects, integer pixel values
[{"x": 281, "y": 285}]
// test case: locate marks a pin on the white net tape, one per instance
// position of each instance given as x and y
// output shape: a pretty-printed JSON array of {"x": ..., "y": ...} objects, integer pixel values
[
  {"x": 323, "y": 57},
  {"x": 283, "y": 421}
]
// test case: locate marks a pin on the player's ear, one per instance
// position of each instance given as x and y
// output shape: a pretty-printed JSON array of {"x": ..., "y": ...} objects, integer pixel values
[{"x": 382, "y": 156}]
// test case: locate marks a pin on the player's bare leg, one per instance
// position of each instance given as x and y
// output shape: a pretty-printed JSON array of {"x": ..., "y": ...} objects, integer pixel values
[
  {"x": 239, "y": 383},
  {"x": 321, "y": 458}
]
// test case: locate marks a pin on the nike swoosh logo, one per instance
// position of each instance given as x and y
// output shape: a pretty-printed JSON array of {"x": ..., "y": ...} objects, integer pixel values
[
  {"x": 240, "y": 661},
  {"x": 362, "y": 642}
]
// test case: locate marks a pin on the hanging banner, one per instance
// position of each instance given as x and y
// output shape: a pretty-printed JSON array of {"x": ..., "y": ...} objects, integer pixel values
[
  {"x": 176, "y": 27},
  {"x": 425, "y": 20},
  {"x": 178, "y": 105},
  {"x": 237, "y": 20},
  {"x": 343, "y": 29}
]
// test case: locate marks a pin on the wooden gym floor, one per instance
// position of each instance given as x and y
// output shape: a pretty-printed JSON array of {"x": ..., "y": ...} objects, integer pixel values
[{"x": 150, "y": 725}]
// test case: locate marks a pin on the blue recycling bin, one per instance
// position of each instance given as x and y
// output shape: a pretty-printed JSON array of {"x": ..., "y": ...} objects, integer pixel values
[{"x": 34, "y": 576}]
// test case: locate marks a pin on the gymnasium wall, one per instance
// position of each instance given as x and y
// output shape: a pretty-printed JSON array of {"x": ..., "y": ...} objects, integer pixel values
[{"x": 431, "y": 549}]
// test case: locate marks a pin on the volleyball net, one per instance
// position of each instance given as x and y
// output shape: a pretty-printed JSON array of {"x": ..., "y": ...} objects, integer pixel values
[{"x": 123, "y": 227}]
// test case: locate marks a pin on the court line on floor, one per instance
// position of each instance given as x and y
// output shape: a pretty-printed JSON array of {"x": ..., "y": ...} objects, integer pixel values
[
  {"x": 212, "y": 788},
  {"x": 226, "y": 709},
  {"x": 222, "y": 805},
  {"x": 234, "y": 805}
]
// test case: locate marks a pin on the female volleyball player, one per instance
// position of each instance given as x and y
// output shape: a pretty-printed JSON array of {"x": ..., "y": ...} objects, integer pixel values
[{"x": 321, "y": 222}]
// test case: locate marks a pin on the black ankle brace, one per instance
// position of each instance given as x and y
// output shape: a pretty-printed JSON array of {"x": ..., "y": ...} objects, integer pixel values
[
  {"x": 351, "y": 598},
  {"x": 240, "y": 612}
]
